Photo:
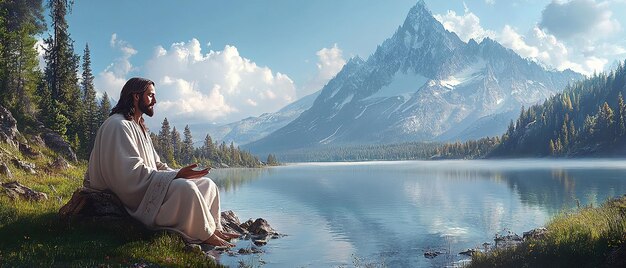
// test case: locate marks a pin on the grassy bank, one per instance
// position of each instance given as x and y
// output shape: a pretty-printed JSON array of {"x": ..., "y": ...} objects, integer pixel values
[
  {"x": 587, "y": 237},
  {"x": 31, "y": 234}
]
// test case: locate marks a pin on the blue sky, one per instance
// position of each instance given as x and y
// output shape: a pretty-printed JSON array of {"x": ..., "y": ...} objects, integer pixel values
[{"x": 221, "y": 61}]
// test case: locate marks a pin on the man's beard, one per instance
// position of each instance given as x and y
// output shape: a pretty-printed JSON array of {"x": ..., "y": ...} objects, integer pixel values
[{"x": 146, "y": 109}]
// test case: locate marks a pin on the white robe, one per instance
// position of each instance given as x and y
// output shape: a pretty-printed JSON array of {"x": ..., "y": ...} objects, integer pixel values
[{"x": 123, "y": 160}]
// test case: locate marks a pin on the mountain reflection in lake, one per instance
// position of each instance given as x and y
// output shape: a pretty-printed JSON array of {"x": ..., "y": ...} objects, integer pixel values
[{"x": 392, "y": 212}]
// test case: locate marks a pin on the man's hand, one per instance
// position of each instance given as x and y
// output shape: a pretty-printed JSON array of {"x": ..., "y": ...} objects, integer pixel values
[{"x": 188, "y": 172}]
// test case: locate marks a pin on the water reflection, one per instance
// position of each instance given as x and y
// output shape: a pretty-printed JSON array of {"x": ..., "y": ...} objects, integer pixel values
[
  {"x": 230, "y": 179},
  {"x": 395, "y": 211}
]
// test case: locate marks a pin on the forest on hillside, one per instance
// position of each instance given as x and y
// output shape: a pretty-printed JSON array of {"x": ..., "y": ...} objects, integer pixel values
[{"x": 586, "y": 119}]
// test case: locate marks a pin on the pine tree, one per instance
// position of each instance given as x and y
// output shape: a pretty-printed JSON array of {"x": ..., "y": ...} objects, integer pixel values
[
  {"x": 620, "y": 116},
  {"x": 104, "y": 108},
  {"x": 271, "y": 160},
  {"x": 20, "y": 22},
  {"x": 50, "y": 113},
  {"x": 208, "y": 149},
  {"x": 165, "y": 143},
  {"x": 176, "y": 145},
  {"x": 62, "y": 66},
  {"x": 91, "y": 116},
  {"x": 187, "y": 146}
]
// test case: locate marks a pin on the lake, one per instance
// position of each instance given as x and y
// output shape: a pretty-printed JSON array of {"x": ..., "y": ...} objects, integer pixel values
[{"x": 347, "y": 214}]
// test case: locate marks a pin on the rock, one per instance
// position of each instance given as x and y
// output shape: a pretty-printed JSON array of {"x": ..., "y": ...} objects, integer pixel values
[
  {"x": 252, "y": 250},
  {"x": 28, "y": 151},
  {"x": 260, "y": 242},
  {"x": 90, "y": 203},
  {"x": 469, "y": 252},
  {"x": 28, "y": 167},
  {"x": 14, "y": 189},
  {"x": 60, "y": 164},
  {"x": 8, "y": 127},
  {"x": 508, "y": 240},
  {"x": 260, "y": 228},
  {"x": 5, "y": 171},
  {"x": 193, "y": 248},
  {"x": 223, "y": 165},
  {"x": 431, "y": 254},
  {"x": 36, "y": 140},
  {"x": 57, "y": 143},
  {"x": 230, "y": 223},
  {"x": 537, "y": 233}
]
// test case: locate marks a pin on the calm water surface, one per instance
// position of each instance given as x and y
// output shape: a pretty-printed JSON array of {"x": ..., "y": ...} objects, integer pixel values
[{"x": 342, "y": 214}]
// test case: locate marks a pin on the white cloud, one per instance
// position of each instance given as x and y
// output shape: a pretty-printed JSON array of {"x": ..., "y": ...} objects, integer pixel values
[
  {"x": 39, "y": 46},
  {"x": 113, "y": 78},
  {"x": 546, "y": 49},
  {"x": 329, "y": 63},
  {"x": 466, "y": 26},
  {"x": 584, "y": 19},
  {"x": 490, "y": 2},
  {"x": 541, "y": 44},
  {"x": 219, "y": 86}
]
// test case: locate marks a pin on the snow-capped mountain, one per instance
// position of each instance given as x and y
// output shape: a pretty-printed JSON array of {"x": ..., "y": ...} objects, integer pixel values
[
  {"x": 254, "y": 128},
  {"x": 423, "y": 83}
]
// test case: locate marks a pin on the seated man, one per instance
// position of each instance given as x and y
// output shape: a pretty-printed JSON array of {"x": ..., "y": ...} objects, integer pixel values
[{"x": 123, "y": 160}]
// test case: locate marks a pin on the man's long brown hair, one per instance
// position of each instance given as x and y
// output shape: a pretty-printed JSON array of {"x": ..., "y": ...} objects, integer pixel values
[{"x": 125, "y": 105}]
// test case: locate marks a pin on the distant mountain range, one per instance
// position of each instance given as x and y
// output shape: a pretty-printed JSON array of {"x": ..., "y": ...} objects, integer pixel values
[
  {"x": 254, "y": 128},
  {"x": 423, "y": 83}
]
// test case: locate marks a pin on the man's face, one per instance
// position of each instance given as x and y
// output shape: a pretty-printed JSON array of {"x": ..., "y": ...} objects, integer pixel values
[{"x": 147, "y": 101}]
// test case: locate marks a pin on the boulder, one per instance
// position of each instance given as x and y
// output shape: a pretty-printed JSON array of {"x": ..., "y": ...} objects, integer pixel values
[
  {"x": 251, "y": 250},
  {"x": 431, "y": 254},
  {"x": 261, "y": 228},
  {"x": 90, "y": 203},
  {"x": 8, "y": 127},
  {"x": 507, "y": 240},
  {"x": 28, "y": 151},
  {"x": 28, "y": 167},
  {"x": 537, "y": 233},
  {"x": 55, "y": 142},
  {"x": 60, "y": 164},
  {"x": 5, "y": 171},
  {"x": 14, "y": 190},
  {"x": 469, "y": 252},
  {"x": 36, "y": 140},
  {"x": 231, "y": 224}
]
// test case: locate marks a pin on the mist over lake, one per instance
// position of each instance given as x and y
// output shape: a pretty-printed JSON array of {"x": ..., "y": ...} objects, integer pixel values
[{"x": 393, "y": 212}]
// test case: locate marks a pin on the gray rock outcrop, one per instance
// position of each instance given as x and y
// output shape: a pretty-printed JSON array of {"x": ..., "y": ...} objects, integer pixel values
[
  {"x": 55, "y": 142},
  {"x": 5, "y": 171},
  {"x": 16, "y": 190},
  {"x": 8, "y": 127}
]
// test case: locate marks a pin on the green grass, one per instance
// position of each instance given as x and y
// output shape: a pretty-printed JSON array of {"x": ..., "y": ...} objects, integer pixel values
[
  {"x": 586, "y": 237},
  {"x": 32, "y": 235}
]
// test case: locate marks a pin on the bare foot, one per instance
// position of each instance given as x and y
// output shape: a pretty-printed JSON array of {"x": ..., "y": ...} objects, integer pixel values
[
  {"x": 226, "y": 235},
  {"x": 214, "y": 240}
]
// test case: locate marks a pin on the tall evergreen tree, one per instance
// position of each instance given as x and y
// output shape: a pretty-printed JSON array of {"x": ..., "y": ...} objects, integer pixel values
[
  {"x": 176, "y": 145},
  {"x": 104, "y": 108},
  {"x": 165, "y": 143},
  {"x": 20, "y": 22},
  {"x": 208, "y": 149},
  {"x": 187, "y": 146},
  {"x": 620, "y": 116},
  {"x": 51, "y": 115},
  {"x": 91, "y": 115},
  {"x": 62, "y": 66}
]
